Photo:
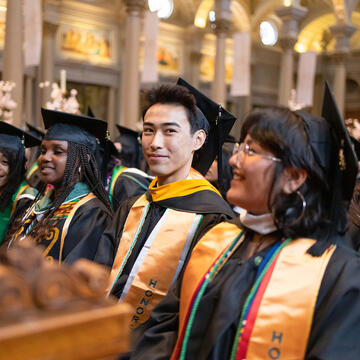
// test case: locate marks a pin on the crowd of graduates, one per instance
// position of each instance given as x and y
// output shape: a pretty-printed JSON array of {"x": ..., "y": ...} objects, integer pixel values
[{"x": 223, "y": 250}]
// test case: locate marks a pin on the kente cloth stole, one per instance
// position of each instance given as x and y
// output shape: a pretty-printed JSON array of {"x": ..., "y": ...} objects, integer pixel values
[
  {"x": 17, "y": 195},
  {"x": 116, "y": 173},
  {"x": 33, "y": 168},
  {"x": 280, "y": 316},
  {"x": 159, "y": 261},
  {"x": 66, "y": 211}
]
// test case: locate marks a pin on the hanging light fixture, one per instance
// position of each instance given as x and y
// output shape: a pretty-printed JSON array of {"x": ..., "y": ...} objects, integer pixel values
[{"x": 164, "y": 8}]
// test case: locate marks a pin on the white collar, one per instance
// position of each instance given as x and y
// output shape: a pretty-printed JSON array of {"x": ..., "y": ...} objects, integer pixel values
[{"x": 262, "y": 224}]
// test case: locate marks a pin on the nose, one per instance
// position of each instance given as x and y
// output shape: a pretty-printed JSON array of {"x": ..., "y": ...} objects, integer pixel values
[
  {"x": 157, "y": 140},
  {"x": 45, "y": 157},
  {"x": 235, "y": 160}
]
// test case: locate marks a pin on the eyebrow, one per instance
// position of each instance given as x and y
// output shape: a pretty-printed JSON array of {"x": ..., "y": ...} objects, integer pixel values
[{"x": 148, "y": 123}]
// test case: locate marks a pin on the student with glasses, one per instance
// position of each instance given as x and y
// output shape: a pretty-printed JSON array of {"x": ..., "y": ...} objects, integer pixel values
[{"x": 276, "y": 283}]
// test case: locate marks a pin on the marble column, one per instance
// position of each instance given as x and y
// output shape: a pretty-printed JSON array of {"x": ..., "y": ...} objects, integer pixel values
[
  {"x": 13, "y": 55},
  {"x": 342, "y": 34},
  {"x": 219, "y": 83},
  {"x": 111, "y": 110},
  {"x": 194, "y": 39},
  {"x": 130, "y": 82},
  {"x": 47, "y": 58},
  {"x": 290, "y": 16},
  {"x": 29, "y": 100}
]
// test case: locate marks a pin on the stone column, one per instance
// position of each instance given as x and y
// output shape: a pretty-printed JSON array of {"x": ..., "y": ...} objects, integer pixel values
[
  {"x": 111, "y": 110},
  {"x": 219, "y": 83},
  {"x": 47, "y": 58},
  {"x": 29, "y": 100},
  {"x": 193, "y": 44},
  {"x": 129, "y": 114},
  {"x": 13, "y": 55},
  {"x": 290, "y": 16},
  {"x": 342, "y": 34}
]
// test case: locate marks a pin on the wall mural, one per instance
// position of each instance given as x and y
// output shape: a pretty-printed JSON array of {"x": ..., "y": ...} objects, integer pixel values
[
  {"x": 86, "y": 44},
  {"x": 207, "y": 66}
]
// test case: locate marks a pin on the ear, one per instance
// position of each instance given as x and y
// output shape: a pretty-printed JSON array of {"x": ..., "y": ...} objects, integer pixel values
[
  {"x": 292, "y": 179},
  {"x": 199, "y": 138}
]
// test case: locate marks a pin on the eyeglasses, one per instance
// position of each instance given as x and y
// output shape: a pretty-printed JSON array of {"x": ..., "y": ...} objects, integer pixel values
[{"x": 245, "y": 149}]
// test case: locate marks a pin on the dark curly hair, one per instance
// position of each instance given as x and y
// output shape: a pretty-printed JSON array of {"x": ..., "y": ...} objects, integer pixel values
[
  {"x": 78, "y": 156},
  {"x": 17, "y": 170},
  {"x": 282, "y": 132},
  {"x": 174, "y": 95}
]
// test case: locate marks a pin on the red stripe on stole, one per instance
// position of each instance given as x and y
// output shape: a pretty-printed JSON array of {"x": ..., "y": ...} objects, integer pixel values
[{"x": 247, "y": 331}]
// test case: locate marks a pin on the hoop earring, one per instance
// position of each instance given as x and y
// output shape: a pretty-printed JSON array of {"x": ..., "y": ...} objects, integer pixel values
[{"x": 303, "y": 202}]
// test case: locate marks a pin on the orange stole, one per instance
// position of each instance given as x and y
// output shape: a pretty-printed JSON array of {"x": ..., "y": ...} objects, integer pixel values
[
  {"x": 131, "y": 228},
  {"x": 283, "y": 322},
  {"x": 209, "y": 248},
  {"x": 158, "y": 266}
]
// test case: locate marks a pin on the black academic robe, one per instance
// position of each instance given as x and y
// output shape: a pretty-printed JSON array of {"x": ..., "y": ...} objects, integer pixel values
[
  {"x": 83, "y": 234},
  {"x": 213, "y": 207},
  {"x": 335, "y": 328},
  {"x": 129, "y": 184}
]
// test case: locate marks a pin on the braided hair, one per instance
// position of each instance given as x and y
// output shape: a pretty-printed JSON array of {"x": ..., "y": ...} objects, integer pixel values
[
  {"x": 16, "y": 175},
  {"x": 80, "y": 166}
]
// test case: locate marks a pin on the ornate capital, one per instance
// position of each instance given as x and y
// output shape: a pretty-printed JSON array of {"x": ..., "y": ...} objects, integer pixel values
[
  {"x": 342, "y": 34},
  {"x": 135, "y": 7}
]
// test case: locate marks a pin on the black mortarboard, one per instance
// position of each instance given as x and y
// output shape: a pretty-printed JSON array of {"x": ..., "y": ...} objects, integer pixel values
[
  {"x": 79, "y": 129},
  {"x": 34, "y": 131},
  {"x": 218, "y": 121},
  {"x": 356, "y": 145},
  {"x": 346, "y": 160},
  {"x": 130, "y": 146},
  {"x": 14, "y": 138}
]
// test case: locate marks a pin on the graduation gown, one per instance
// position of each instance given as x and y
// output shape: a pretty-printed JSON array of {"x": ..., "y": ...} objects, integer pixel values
[
  {"x": 78, "y": 225},
  {"x": 334, "y": 331},
  {"x": 204, "y": 201},
  {"x": 20, "y": 201},
  {"x": 126, "y": 183}
]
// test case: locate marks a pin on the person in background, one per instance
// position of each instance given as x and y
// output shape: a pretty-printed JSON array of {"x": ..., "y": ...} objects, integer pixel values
[
  {"x": 120, "y": 182},
  {"x": 275, "y": 283},
  {"x": 70, "y": 218},
  {"x": 33, "y": 174},
  {"x": 15, "y": 194}
]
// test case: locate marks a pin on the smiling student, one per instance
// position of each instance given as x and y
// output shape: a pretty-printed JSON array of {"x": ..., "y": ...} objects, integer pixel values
[
  {"x": 151, "y": 235},
  {"x": 70, "y": 218},
  {"x": 15, "y": 194},
  {"x": 277, "y": 282}
]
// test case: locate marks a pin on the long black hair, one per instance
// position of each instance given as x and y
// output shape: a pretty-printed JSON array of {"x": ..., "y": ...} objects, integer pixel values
[
  {"x": 16, "y": 161},
  {"x": 80, "y": 166},
  {"x": 283, "y": 133}
]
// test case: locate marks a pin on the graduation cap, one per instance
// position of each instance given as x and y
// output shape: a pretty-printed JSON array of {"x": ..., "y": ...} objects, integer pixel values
[
  {"x": 108, "y": 145},
  {"x": 346, "y": 166},
  {"x": 219, "y": 123},
  {"x": 130, "y": 146},
  {"x": 16, "y": 139},
  {"x": 34, "y": 131},
  {"x": 79, "y": 129}
]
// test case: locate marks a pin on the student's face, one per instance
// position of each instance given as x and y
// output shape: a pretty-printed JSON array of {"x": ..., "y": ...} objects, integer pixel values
[
  {"x": 4, "y": 170},
  {"x": 52, "y": 161},
  {"x": 252, "y": 179},
  {"x": 167, "y": 142}
]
